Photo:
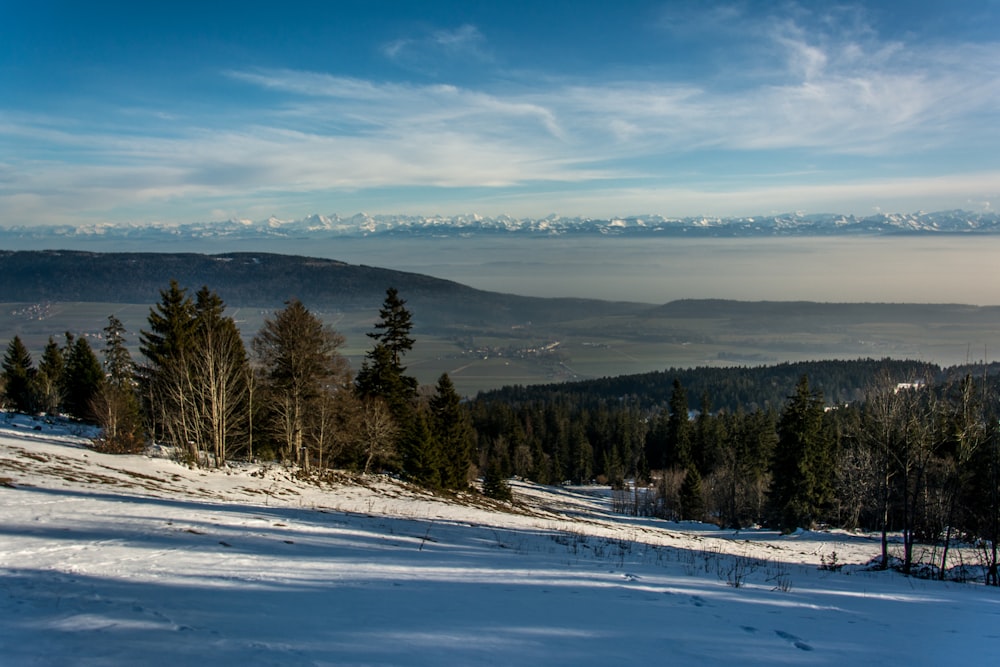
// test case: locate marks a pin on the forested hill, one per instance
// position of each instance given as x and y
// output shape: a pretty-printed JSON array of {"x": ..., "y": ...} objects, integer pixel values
[
  {"x": 730, "y": 389},
  {"x": 268, "y": 280}
]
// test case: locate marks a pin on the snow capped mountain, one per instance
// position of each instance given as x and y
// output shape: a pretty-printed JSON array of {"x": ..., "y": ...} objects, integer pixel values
[{"x": 364, "y": 224}]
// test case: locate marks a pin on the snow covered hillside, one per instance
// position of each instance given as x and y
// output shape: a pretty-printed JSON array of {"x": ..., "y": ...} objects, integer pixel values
[{"x": 140, "y": 560}]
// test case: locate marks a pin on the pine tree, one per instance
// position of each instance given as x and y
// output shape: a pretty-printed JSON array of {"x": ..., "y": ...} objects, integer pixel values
[
  {"x": 300, "y": 359},
  {"x": 118, "y": 365},
  {"x": 166, "y": 382},
  {"x": 51, "y": 378},
  {"x": 393, "y": 327},
  {"x": 220, "y": 370},
  {"x": 678, "y": 429},
  {"x": 495, "y": 485},
  {"x": 382, "y": 373},
  {"x": 421, "y": 454},
  {"x": 452, "y": 429},
  {"x": 692, "y": 501},
  {"x": 802, "y": 467},
  {"x": 19, "y": 378},
  {"x": 84, "y": 378},
  {"x": 116, "y": 405}
]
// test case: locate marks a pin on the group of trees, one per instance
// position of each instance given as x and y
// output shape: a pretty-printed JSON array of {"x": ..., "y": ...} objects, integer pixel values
[
  {"x": 69, "y": 378},
  {"x": 918, "y": 457},
  {"x": 291, "y": 396},
  {"x": 921, "y": 458}
]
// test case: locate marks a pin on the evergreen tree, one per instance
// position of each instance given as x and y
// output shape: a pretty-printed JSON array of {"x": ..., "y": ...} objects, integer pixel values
[
  {"x": 116, "y": 405},
  {"x": 84, "y": 378},
  {"x": 166, "y": 381},
  {"x": 50, "y": 379},
  {"x": 495, "y": 485},
  {"x": 692, "y": 501},
  {"x": 678, "y": 429},
  {"x": 171, "y": 329},
  {"x": 19, "y": 378},
  {"x": 299, "y": 359},
  {"x": 382, "y": 373},
  {"x": 221, "y": 371},
  {"x": 421, "y": 454},
  {"x": 451, "y": 428},
  {"x": 802, "y": 466},
  {"x": 393, "y": 327},
  {"x": 118, "y": 365}
]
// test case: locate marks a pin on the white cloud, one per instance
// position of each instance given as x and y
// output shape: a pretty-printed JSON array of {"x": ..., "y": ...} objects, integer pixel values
[
  {"x": 433, "y": 50},
  {"x": 825, "y": 94}
]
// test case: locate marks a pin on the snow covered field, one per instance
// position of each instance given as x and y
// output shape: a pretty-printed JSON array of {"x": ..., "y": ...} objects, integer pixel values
[{"x": 142, "y": 561}]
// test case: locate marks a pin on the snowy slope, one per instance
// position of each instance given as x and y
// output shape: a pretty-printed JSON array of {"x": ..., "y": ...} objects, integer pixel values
[{"x": 138, "y": 560}]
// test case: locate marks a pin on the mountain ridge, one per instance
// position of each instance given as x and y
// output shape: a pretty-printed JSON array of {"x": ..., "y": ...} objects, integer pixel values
[{"x": 364, "y": 225}]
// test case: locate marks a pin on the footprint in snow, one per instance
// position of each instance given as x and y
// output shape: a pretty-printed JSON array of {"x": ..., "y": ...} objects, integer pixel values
[
  {"x": 697, "y": 601},
  {"x": 793, "y": 640}
]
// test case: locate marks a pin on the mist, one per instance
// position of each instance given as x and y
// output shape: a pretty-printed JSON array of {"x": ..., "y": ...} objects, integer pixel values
[
  {"x": 906, "y": 269},
  {"x": 891, "y": 269}
]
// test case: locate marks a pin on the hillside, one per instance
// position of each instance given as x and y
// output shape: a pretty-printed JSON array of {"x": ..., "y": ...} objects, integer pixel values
[
  {"x": 483, "y": 339},
  {"x": 128, "y": 560},
  {"x": 268, "y": 280}
]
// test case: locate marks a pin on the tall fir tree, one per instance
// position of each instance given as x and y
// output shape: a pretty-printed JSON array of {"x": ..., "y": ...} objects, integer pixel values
[
  {"x": 19, "y": 378},
  {"x": 382, "y": 372},
  {"x": 221, "y": 371},
  {"x": 452, "y": 429},
  {"x": 300, "y": 358},
  {"x": 678, "y": 429},
  {"x": 802, "y": 467},
  {"x": 51, "y": 378},
  {"x": 420, "y": 452},
  {"x": 691, "y": 498},
  {"x": 166, "y": 384},
  {"x": 84, "y": 378},
  {"x": 116, "y": 406}
]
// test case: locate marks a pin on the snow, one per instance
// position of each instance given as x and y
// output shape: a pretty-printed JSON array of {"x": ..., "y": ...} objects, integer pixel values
[{"x": 110, "y": 560}]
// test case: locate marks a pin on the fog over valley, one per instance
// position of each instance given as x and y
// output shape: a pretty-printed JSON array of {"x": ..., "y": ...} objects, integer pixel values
[{"x": 892, "y": 269}]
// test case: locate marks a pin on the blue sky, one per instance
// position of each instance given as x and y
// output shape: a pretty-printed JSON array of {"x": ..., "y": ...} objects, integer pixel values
[{"x": 148, "y": 111}]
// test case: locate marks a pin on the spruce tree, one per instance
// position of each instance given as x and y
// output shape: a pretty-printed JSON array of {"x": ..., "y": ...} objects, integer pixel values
[
  {"x": 802, "y": 467},
  {"x": 166, "y": 383},
  {"x": 678, "y": 429},
  {"x": 300, "y": 358},
  {"x": 116, "y": 406},
  {"x": 382, "y": 373},
  {"x": 421, "y": 454},
  {"x": 692, "y": 501},
  {"x": 220, "y": 370},
  {"x": 118, "y": 365},
  {"x": 84, "y": 378},
  {"x": 495, "y": 485},
  {"x": 51, "y": 378},
  {"x": 452, "y": 429},
  {"x": 19, "y": 378}
]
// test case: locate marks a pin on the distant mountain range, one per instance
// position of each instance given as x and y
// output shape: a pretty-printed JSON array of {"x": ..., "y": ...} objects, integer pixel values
[{"x": 362, "y": 224}]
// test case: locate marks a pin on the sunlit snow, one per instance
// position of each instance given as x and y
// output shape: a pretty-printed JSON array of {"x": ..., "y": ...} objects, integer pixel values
[{"x": 141, "y": 560}]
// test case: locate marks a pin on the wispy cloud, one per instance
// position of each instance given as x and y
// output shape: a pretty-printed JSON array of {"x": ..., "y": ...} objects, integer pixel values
[
  {"x": 436, "y": 50},
  {"x": 820, "y": 88}
]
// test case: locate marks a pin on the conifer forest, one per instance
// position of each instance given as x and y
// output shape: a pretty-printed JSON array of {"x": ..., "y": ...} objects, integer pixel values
[{"x": 886, "y": 446}]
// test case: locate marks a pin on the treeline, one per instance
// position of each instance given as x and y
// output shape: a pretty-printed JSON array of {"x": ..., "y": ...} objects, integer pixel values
[
  {"x": 915, "y": 454},
  {"x": 881, "y": 445},
  {"x": 729, "y": 388},
  {"x": 290, "y": 397}
]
